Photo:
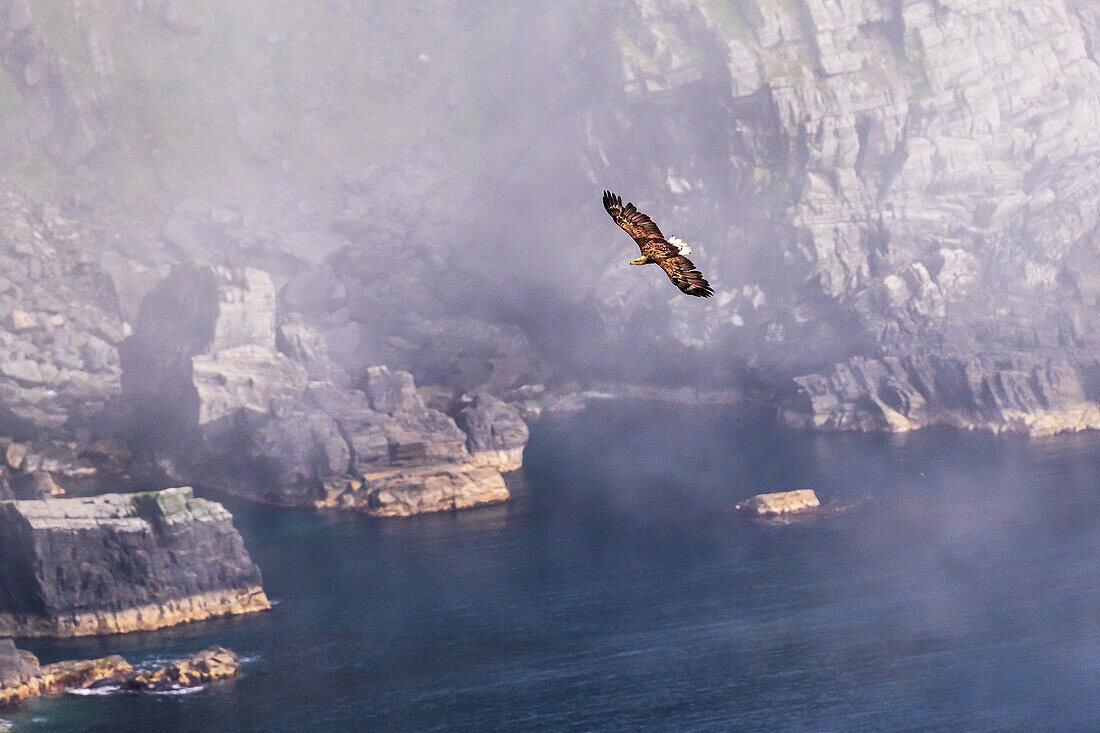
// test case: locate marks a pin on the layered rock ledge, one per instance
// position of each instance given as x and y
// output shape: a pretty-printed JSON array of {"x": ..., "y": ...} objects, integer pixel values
[
  {"x": 403, "y": 493},
  {"x": 1041, "y": 395},
  {"x": 121, "y": 562},
  {"x": 780, "y": 502}
]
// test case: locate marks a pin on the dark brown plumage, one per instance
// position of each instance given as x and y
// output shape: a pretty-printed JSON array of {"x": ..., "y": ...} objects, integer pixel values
[{"x": 655, "y": 248}]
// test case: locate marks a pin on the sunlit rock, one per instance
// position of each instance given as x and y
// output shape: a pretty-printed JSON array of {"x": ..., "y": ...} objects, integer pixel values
[
  {"x": 23, "y": 677},
  {"x": 781, "y": 502},
  {"x": 209, "y": 665},
  {"x": 403, "y": 493}
]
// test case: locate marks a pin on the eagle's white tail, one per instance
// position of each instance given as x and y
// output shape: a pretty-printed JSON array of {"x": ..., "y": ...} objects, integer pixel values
[{"x": 679, "y": 244}]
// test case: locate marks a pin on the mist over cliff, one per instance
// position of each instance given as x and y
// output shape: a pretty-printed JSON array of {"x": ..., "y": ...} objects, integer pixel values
[{"x": 895, "y": 200}]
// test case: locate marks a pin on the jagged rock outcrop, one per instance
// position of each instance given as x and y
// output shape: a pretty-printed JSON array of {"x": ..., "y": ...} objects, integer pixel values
[
  {"x": 495, "y": 433},
  {"x": 405, "y": 492},
  {"x": 1033, "y": 393},
  {"x": 409, "y": 458},
  {"x": 147, "y": 560},
  {"x": 209, "y": 665},
  {"x": 204, "y": 348},
  {"x": 201, "y": 370},
  {"x": 236, "y": 402},
  {"x": 21, "y": 676}
]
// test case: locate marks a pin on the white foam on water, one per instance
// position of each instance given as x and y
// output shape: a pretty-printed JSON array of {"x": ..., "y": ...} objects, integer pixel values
[
  {"x": 105, "y": 690},
  {"x": 179, "y": 690},
  {"x": 594, "y": 395},
  {"x": 155, "y": 662}
]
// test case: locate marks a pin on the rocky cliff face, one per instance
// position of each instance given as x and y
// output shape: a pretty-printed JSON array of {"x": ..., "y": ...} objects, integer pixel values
[
  {"x": 907, "y": 188},
  {"x": 59, "y": 323},
  {"x": 895, "y": 200},
  {"x": 146, "y": 561}
]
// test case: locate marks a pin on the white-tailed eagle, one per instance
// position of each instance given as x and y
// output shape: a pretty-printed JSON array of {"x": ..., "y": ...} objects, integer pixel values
[{"x": 656, "y": 249}]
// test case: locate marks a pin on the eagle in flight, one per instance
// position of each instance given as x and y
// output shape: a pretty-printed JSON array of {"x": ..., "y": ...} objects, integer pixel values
[{"x": 668, "y": 253}]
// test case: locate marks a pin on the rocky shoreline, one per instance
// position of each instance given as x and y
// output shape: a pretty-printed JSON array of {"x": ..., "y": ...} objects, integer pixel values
[
  {"x": 22, "y": 678},
  {"x": 1037, "y": 395}
]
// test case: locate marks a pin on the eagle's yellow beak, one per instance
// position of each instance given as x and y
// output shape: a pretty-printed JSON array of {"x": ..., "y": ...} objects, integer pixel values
[{"x": 639, "y": 261}]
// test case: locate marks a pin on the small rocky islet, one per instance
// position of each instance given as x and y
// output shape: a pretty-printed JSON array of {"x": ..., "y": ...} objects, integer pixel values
[
  {"x": 780, "y": 503},
  {"x": 22, "y": 677}
]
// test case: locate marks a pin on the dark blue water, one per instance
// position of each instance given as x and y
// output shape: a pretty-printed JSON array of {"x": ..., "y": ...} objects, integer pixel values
[{"x": 962, "y": 591}]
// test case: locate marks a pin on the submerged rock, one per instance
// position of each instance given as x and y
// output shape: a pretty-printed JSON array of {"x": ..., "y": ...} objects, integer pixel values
[
  {"x": 780, "y": 502},
  {"x": 143, "y": 561}
]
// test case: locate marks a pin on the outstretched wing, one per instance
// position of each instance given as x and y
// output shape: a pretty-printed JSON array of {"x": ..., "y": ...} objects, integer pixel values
[
  {"x": 681, "y": 271},
  {"x": 639, "y": 226}
]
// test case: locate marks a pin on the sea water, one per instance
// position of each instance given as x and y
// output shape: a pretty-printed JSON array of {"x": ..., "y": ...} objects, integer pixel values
[{"x": 959, "y": 589}]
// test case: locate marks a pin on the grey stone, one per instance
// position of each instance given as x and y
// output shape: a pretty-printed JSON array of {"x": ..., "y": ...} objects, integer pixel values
[
  {"x": 16, "y": 666},
  {"x": 294, "y": 451},
  {"x": 36, "y": 484},
  {"x": 22, "y": 370},
  {"x": 490, "y": 424}
]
